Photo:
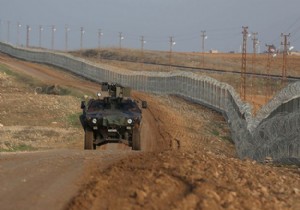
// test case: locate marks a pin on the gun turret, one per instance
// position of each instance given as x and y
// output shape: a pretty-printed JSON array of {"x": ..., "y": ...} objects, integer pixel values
[{"x": 113, "y": 90}]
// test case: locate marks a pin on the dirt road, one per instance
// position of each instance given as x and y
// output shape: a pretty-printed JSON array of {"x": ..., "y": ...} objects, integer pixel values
[
  {"x": 187, "y": 162},
  {"x": 46, "y": 180},
  {"x": 35, "y": 180}
]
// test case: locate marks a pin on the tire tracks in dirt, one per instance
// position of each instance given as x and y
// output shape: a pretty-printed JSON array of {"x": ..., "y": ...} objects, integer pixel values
[{"x": 35, "y": 180}]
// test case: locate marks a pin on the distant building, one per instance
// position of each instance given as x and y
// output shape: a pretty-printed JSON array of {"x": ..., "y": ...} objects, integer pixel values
[
  {"x": 295, "y": 53},
  {"x": 213, "y": 51}
]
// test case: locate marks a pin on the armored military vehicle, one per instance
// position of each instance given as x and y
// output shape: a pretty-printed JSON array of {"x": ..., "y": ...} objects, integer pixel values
[{"x": 112, "y": 117}]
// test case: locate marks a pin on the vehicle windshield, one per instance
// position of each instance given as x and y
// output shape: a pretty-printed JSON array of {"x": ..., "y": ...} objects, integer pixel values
[{"x": 98, "y": 105}]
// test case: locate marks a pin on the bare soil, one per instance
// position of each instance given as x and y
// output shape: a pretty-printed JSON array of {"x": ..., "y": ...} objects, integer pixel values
[{"x": 187, "y": 160}]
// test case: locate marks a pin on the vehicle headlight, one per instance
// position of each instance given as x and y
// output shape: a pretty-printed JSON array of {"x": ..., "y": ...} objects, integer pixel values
[
  {"x": 129, "y": 121},
  {"x": 94, "y": 121}
]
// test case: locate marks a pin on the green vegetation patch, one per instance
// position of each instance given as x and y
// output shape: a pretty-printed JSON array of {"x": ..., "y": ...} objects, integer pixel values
[
  {"x": 227, "y": 138},
  {"x": 6, "y": 70},
  {"x": 215, "y": 132},
  {"x": 73, "y": 120},
  {"x": 25, "y": 79},
  {"x": 38, "y": 86},
  {"x": 17, "y": 148}
]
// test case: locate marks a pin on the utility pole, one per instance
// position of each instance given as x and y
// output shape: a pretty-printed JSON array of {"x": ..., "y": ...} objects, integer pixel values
[
  {"x": 28, "y": 29},
  {"x": 171, "y": 47},
  {"x": 40, "y": 36},
  {"x": 203, "y": 35},
  {"x": 285, "y": 44},
  {"x": 142, "y": 50},
  {"x": 67, "y": 29},
  {"x": 0, "y": 30},
  {"x": 142, "y": 46},
  {"x": 8, "y": 31},
  {"x": 81, "y": 37},
  {"x": 255, "y": 43},
  {"x": 52, "y": 37},
  {"x": 100, "y": 34},
  {"x": 120, "y": 40},
  {"x": 18, "y": 33},
  {"x": 270, "y": 51},
  {"x": 244, "y": 63},
  {"x": 142, "y": 43}
]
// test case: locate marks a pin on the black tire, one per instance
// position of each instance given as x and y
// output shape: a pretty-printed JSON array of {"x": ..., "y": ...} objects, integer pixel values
[
  {"x": 144, "y": 104},
  {"x": 126, "y": 136},
  {"x": 136, "y": 139},
  {"x": 89, "y": 140}
]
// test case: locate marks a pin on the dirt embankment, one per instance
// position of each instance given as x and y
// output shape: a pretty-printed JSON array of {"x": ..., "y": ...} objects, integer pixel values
[
  {"x": 188, "y": 160},
  {"x": 204, "y": 173}
]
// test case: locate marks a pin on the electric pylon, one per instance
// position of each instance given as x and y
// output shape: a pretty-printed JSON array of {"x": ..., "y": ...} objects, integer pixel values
[
  {"x": 270, "y": 51},
  {"x": 244, "y": 63},
  {"x": 285, "y": 44},
  {"x": 255, "y": 43}
]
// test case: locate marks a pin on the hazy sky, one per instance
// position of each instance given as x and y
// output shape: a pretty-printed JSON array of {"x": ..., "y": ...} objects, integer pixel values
[{"x": 156, "y": 20}]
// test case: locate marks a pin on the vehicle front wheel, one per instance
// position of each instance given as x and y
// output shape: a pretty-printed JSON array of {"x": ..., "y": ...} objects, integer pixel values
[
  {"x": 89, "y": 140},
  {"x": 136, "y": 139}
]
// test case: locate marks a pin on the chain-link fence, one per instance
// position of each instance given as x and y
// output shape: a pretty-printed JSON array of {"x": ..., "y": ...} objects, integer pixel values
[{"x": 273, "y": 133}]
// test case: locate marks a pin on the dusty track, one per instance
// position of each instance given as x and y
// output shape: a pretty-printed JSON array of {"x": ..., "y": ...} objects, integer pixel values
[
  {"x": 47, "y": 180},
  {"x": 35, "y": 180},
  {"x": 48, "y": 74},
  {"x": 200, "y": 172}
]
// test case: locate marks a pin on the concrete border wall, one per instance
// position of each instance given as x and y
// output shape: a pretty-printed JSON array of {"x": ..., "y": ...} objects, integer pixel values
[{"x": 247, "y": 132}]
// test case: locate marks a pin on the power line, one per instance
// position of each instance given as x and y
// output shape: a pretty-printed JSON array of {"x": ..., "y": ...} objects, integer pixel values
[
  {"x": 292, "y": 25},
  {"x": 216, "y": 35}
]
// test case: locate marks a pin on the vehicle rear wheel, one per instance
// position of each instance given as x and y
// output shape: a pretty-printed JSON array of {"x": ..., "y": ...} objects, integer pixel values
[
  {"x": 89, "y": 140},
  {"x": 136, "y": 139}
]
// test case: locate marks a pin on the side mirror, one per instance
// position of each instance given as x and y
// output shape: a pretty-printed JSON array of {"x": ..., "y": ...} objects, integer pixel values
[
  {"x": 144, "y": 104},
  {"x": 82, "y": 105}
]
